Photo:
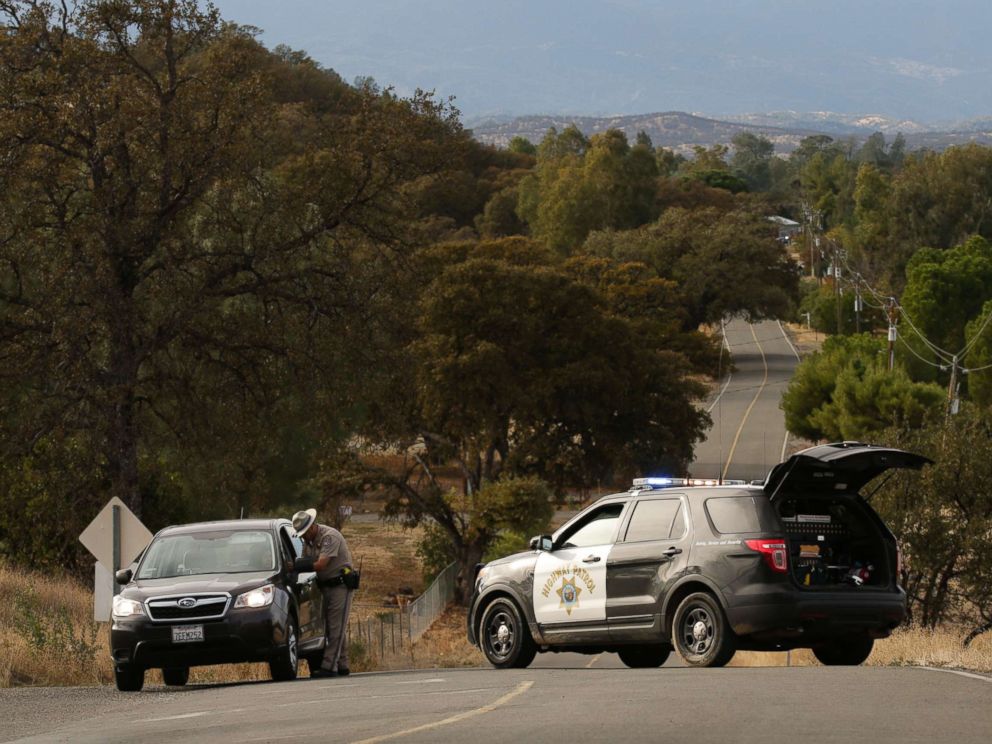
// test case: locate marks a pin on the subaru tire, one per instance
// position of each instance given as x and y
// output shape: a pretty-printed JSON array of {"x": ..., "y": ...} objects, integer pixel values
[{"x": 286, "y": 663}]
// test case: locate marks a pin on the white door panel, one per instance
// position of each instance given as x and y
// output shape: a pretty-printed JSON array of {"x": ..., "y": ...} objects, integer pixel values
[{"x": 570, "y": 588}]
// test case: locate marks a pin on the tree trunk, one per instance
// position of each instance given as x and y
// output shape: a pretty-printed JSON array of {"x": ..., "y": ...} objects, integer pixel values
[
  {"x": 468, "y": 556},
  {"x": 122, "y": 435},
  {"x": 984, "y": 628}
]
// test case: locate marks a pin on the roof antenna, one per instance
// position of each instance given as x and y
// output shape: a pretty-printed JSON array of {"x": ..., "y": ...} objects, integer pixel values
[{"x": 242, "y": 513}]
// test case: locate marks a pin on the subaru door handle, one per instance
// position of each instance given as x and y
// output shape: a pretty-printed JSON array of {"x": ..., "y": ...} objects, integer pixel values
[
  {"x": 671, "y": 551},
  {"x": 591, "y": 559}
]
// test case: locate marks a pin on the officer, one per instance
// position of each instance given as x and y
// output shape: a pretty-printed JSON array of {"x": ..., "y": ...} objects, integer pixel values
[{"x": 326, "y": 552}]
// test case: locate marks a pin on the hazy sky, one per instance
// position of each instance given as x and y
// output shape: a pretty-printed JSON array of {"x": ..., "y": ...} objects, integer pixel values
[{"x": 902, "y": 58}]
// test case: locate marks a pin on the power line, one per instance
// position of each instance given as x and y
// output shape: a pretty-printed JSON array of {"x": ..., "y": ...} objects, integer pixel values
[
  {"x": 916, "y": 354},
  {"x": 941, "y": 353},
  {"x": 978, "y": 334}
]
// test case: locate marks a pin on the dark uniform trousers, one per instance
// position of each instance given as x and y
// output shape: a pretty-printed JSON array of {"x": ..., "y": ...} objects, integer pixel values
[{"x": 337, "y": 605}]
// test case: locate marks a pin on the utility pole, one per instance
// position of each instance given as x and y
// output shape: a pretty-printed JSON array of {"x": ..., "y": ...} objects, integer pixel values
[
  {"x": 811, "y": 218},
  {"x": 893, "y": 318},
  {"x": 837, "y": 295}
]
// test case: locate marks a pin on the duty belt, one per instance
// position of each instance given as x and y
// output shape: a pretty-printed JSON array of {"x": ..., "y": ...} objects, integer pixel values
[{"x": 328, "y": 583}]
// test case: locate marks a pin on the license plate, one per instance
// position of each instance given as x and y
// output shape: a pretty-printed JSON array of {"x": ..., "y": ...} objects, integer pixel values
[{"x": 187, "y": 633}]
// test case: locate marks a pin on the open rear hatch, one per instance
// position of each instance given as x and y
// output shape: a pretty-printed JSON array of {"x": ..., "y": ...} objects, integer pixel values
[
  {"x": 842, "y": 468},
  {"x": 836, "y": 541}
]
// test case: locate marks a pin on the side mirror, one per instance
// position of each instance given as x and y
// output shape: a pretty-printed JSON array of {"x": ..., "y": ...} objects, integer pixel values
[
  {"x": 541, "y": 542},
  {"x": 123, "y": 576}
]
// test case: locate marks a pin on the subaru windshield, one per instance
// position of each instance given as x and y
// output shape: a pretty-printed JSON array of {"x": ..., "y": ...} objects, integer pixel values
[{"x": 197, "y": 553}]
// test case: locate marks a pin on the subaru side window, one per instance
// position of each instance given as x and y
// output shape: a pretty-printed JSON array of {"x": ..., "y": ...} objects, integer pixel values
[
  {"x": 655, "y": 519},
  {"x": 598, "y": 529}
]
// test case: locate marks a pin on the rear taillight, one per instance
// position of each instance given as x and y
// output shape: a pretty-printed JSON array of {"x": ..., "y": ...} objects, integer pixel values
[{"x": 775, "y": 551}]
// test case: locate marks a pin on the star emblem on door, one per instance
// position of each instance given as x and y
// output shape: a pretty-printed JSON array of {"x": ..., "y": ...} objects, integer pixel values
[{"x": 568, "y": 594}]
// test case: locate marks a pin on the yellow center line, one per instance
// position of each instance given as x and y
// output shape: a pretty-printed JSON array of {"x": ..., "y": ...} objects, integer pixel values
[
  {"x": 518, "y": 690},
  {"x": 753, "y": 401}
]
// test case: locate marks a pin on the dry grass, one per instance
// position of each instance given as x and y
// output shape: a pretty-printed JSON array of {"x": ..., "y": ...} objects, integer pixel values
[
  {"x": 906, "y": 647},
  {"x": 47, "y": 632},
  {"x": 804, "y": 339},
  {"x": 939, "y": 648},
  {"x": 388, "y": 557},
  {"x": 444, "y": 646}
]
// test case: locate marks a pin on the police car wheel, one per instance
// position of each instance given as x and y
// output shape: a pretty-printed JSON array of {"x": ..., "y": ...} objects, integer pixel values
[
  {"x": 504, "y": 636},
  {"x": 700, "y": 632},
  {"x": 644, "y": 657},
  {"x": 286, "y": 663},
  {"x": 847, "y": 651}
]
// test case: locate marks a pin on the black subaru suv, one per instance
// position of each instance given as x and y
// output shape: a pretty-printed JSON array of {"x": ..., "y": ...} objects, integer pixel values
[
  {"x": 216, "y": 593},
  {"x": 799, "y": 561}
]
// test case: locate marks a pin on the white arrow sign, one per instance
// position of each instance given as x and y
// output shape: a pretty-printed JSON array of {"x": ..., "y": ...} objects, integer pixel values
[{"x": 98, "y": 537}]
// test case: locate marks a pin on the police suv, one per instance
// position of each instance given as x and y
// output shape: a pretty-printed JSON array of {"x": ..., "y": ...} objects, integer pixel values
[{"x": 799, "y": 561}]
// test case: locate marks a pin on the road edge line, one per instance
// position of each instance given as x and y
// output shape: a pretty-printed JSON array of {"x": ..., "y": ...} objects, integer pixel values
[
  {"x": 785, "y": 335},
  {"x": 788, "y": 340},
  {"x": 730, "y": 374},
  {"x": 518, "y": 690},
  {"x": 970, "y": 675}
]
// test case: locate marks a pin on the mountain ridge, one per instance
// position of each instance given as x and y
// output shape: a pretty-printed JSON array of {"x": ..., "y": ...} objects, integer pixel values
[{"x": 681, "y": 131}]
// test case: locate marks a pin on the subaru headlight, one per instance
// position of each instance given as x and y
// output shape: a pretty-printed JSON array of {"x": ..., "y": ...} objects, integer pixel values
[
  {"x": 127, "y": 607},
  {"x": 480, "y": 578},
  {"x": 261, "y": 597}
]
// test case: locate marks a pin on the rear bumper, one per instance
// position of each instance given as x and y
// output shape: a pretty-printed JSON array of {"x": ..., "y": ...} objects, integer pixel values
[
  {"x": 242, "y": 635},
  {"x": 804, "y": 617}
]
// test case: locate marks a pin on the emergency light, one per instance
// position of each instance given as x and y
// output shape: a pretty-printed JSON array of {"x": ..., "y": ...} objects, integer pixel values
[{"x": 670, "y": 482}]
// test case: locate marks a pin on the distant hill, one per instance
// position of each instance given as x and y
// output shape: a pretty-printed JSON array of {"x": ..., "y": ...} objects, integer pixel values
[{"x": 681, "y": 131}]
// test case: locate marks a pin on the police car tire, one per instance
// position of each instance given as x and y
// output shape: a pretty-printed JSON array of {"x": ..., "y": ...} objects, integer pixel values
[
  {"x": 848, "y": 651},
  {"x": 517, "y": 649},
  {"x": 129, "y": 678},
  {"x": 175, "y": 676},
  {"x": 644, "y": 657},
  {"x": 285, "y": 665},
  {"x": 716, "y": 644}
]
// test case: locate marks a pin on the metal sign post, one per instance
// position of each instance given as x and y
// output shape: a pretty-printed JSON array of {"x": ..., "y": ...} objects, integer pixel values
[{"x": 116, "y": 539}]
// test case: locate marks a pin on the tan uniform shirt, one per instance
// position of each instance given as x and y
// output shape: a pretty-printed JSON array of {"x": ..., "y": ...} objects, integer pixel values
[{"x": 330, "y": 543}]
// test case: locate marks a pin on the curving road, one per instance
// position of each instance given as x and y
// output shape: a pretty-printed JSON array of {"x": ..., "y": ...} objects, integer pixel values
[
  {"x": 798, "y": 704},
  {"x": 748, "y": 433}
]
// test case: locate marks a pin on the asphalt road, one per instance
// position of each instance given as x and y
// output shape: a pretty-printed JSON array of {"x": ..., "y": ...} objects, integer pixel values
[
  {"x": 798, "y": 704},
  {"x": 748, "y": 433}
]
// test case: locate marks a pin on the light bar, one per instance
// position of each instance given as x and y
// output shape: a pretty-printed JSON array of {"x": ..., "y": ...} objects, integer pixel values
[
  {"x": 669, "y": 482},
  {"x": 659, "y": 482}
]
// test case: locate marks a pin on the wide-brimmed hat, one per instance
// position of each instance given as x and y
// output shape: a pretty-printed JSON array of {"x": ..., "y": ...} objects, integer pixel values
[{"x": 303, "y": 519}]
